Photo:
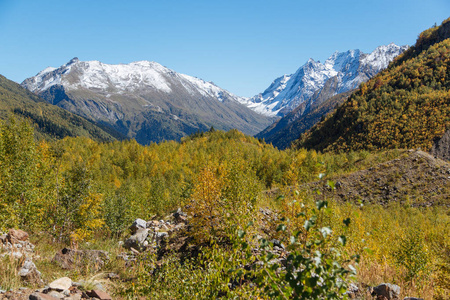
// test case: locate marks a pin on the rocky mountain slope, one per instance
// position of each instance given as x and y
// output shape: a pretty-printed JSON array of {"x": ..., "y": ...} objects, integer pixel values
[
  {"x": 405, "y": 106},
  {"x": 415, "y": 178},
  {"x": 289, "y": 128},
  {"x": 349, "y": 69},
  {"x": 144, "y": 100},
  {"x": 50, "y": 121}
]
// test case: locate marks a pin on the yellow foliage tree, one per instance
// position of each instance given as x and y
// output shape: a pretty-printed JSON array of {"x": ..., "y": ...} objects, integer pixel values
[{"x": 207, "y": 205}]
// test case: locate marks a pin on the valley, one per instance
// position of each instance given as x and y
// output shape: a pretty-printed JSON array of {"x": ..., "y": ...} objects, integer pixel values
[{"x": 133, "y": 181}]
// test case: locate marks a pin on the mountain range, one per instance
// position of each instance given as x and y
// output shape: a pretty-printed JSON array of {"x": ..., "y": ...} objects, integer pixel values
[
  {"x": 349, "y": 69},
  {"x": 149, "y": 102},
  {"x": 316, "y": 89},
  {"x": 144, "y": 100}
]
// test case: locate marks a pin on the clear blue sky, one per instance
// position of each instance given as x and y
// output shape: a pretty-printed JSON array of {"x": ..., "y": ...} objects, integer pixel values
[{"x": 241, "y": 46}]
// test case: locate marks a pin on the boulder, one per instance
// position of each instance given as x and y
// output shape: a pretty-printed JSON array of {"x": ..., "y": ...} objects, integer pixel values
[
  {"x": 15, "y": 235},
  {"x": 138, "y": 224},
  {"x": 386, "y": 291},
  {"x": 61, "y": 284},
  {"x": 29, "y": 273},
  {"x": 70, "y": 258},
  {"x": 136, "y": 240}
]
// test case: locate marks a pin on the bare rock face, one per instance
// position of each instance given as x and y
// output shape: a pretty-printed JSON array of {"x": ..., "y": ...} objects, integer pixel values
[{"x": 441, "y": 147}]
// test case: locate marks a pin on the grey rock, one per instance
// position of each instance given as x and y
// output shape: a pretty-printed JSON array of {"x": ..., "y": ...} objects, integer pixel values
[
  {"x": 136, "y": 240},
  {"x": 61, "y": 284},
  {"x": 159, "y": 236},
  {"x": 56, "y": 295},
  {"x": 386, "y": 290},
  {"x": 29, "y": 273},
  {"x": 40, "y": 296},
  {"x": 138, "y": 224}
]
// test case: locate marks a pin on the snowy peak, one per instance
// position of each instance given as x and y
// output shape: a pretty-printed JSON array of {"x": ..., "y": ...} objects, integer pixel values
[
  {"x": 380, "y": 58},
  {"x": 122, "y": 78},
  {"x": 351, "y": 68}
]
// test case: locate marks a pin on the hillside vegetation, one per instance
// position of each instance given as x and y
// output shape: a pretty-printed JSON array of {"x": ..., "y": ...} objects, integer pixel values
[
  {"x": 405, "y": 106},
  {"x": 241, "y": 196},
  {"x": 50, "y": 122}
]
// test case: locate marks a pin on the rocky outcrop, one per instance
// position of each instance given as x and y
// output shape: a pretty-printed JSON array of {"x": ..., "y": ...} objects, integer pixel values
[
  {"x": 149, "y": 235},
  {"x": 441, "y": 147},
  {"x": 15, "y": 244},
  {"x": 386, "y": 291}
]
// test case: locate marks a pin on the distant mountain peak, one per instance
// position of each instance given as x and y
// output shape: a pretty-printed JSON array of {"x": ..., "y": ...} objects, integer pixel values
[{"x": 351, "y": 67}]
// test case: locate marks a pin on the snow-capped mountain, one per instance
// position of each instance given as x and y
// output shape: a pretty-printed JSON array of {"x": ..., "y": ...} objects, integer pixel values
[
  {"x": 144, "y": 100},
  {"x": 121, "y": 78},
  {"x": 350, "y": 68}
]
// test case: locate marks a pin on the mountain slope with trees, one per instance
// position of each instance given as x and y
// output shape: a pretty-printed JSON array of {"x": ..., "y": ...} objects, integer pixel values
[
  {"x": 50, "y": 121},
  {"x": 407, "y": 105}
]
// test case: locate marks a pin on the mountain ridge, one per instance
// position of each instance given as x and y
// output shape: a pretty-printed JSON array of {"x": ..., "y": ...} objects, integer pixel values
[
  {"x": 144, "y": 100},
  {"x": 50, "y": 122},
  {"x": 351, "y": 67},
  {"x": 404, "y": 106}
]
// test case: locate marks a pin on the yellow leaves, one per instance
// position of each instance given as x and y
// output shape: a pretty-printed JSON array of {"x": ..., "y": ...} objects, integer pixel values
[
  {"x": 206, "y": 207},
  {"x": 117, "y": 182},
  {"x": 88, "y": 218}
]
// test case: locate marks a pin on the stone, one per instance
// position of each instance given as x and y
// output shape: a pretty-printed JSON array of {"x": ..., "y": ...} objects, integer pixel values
[
  {"x": 136, "y": 240},
  {"x": 99, "y": 294},
  {"x": 159, "y": 236},
  {"x": 17, "y": 235},
  {"x": 56, "y": 295},
  {"x": 138, "y": 224},
  {"x": 3, "y": 238},
  {"x": 74, "y": 297},
  {"x": 29, "y": 273},
  {"x": 386, "y": 291},
  {"x": 69, "y": 258},
  {"x": 61, "y": 284},
  {"x": 40, "y": 296},
  {"x": 153, "y": 223}
]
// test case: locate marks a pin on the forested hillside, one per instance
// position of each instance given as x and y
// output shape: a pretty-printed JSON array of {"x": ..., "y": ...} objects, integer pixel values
[
  {"x": 239, "y": 200},
  {"x": 50, "y": 122},
  {"x": 407, "y": 105}
]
